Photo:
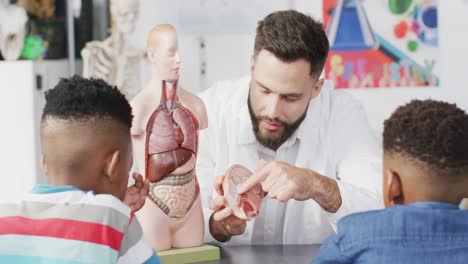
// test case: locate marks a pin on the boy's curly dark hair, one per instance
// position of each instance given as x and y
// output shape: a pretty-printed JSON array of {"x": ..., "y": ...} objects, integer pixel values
[
  {"x": 433, "y": 132},
  {"x": 81, "y": 98}
]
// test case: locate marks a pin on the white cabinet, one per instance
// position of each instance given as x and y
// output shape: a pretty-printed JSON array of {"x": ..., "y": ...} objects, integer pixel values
[{"x": 22, "y": 86}]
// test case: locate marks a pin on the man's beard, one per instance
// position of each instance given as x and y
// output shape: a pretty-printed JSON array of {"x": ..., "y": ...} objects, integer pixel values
[{"x": 273, "y": 142}]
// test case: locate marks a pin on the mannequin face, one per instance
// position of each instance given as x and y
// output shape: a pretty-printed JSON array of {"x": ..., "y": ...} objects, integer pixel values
[
  {"x": 164, "y": 55},
  {"x": 124, "y": 14}
]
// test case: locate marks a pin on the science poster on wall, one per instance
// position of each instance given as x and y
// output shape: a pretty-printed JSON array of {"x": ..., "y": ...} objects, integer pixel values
[{"x": 382, "y": 43}]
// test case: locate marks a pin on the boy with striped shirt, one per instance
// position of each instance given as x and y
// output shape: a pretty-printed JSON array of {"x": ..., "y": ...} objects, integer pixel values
[{"x": 85, "y": 214}]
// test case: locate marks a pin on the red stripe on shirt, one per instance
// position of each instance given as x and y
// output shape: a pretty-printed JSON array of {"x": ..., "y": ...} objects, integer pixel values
[
  {"x": 132, "y": 214},
  {"x": 62, "y": 228}
]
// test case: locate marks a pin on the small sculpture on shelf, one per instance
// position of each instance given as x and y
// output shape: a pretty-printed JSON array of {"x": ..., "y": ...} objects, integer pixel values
[{"x": 12, "y": 31}]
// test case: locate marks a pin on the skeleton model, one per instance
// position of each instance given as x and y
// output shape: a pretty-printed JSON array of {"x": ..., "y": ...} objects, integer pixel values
[
  {"x": 113, "y": 59},
  {"x": 12, "y": 31}
]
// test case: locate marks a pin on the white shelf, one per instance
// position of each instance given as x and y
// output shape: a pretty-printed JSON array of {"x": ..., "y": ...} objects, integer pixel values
[{"x": 21, "y": 107}]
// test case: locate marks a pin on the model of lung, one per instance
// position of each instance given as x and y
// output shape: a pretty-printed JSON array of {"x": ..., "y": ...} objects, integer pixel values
[{"x": 247, "y": 205}]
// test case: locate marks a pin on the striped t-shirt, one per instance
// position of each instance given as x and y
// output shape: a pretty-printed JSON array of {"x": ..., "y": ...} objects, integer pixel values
[{"x": 62, "y": 224}]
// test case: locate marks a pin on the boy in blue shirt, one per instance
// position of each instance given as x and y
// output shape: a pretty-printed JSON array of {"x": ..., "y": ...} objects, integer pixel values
[{"x": 425, "y": 173}]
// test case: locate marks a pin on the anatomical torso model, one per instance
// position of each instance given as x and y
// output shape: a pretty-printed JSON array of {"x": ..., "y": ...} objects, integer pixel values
[{"x": 165, "y": 140}]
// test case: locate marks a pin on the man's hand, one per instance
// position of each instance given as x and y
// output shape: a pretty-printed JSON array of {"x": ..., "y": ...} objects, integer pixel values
[
  {"x": 283, "y": 182},
  {"x": 223, "y": 224},
  {"x": 136, "y": 194}
]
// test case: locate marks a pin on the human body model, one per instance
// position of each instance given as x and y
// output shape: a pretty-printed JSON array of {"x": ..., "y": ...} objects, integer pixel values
[{"x": 165, "y": 135}]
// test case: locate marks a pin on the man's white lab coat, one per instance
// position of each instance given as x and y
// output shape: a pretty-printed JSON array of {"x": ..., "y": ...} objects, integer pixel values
[{"x": 334, "y": 140}]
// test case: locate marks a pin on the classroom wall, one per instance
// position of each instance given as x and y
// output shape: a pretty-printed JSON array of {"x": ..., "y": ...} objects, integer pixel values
[
  {"x": 224, "y": 56},
  {"x": 228, "y": 56}
]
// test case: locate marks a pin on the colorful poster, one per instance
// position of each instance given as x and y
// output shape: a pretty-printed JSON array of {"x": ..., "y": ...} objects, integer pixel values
[{"x": 382, "y": 43}]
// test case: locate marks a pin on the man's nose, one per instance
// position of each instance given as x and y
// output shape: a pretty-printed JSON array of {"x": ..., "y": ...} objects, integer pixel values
[{"x": 273, "y": 106}]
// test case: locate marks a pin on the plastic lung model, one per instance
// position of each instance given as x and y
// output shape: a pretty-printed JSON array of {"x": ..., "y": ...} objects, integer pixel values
[{"x": 247, "y": 205}]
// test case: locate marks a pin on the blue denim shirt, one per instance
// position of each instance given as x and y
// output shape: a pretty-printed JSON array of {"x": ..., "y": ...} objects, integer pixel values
[{"x": 423, "y": 232}]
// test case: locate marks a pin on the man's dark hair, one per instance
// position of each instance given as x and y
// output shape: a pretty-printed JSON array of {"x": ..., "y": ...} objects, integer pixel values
[
  {"x": 80, "y": 98},
  {"x": 432, "y": 132},
  {"x": 291, "y": 35}
]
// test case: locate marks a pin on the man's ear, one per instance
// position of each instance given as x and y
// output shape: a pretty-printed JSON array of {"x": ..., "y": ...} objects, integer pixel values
[
  {"x": 43, "y": 165},
  {"x": 252, "y": 63},
  {"x": 111, "y": 165},
  {"x": 317, "y": 88},
  {"x": 393, "y": 191}
]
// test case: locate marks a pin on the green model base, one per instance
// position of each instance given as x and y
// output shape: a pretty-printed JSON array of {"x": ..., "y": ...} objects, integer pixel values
[{"x": 189, "y": 255}]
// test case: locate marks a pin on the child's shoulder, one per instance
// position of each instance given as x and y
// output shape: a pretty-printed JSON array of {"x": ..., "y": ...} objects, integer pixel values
[
  {"x": 363, "y": 221},
  {"x": 79, "y": 202},
  {"x": 375, "y": 223},
  {"x": 108, "y": 201},
  {"x": 72, "y": 206}
]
